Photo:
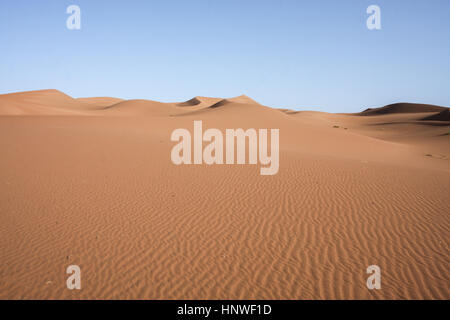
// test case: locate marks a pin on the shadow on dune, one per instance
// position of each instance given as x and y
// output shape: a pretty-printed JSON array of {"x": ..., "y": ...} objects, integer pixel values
[
  {"x": 441, "y": 116},
  {"x": 402, "y": 108}
]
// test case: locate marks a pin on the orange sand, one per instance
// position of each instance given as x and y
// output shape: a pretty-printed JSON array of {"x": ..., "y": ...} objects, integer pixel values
[{"x": 90, "y": 182}]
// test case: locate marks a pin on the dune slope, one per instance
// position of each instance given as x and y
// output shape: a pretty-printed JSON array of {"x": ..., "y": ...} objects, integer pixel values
[{"x": 402, "y": 108}]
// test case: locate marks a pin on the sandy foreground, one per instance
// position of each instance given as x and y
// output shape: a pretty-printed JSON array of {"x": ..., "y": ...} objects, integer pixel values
[{"x": 90, "y": 182}]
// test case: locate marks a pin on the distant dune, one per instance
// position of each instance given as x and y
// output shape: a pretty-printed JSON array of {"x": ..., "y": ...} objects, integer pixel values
[
  {"x": 50, "y": 102},
  {"x": 402, "y": 108},
  {"x": 89, "y": 181},
  {"x": 100, "y": 101},
  {"x": 203, "y": 102}
]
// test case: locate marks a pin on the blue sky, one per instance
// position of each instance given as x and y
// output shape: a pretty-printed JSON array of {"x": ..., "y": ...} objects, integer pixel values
[{"x": 315, "y": 55}]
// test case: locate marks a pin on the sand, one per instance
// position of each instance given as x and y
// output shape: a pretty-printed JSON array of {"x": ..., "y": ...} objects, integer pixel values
[{"x": 90, "y": 182}]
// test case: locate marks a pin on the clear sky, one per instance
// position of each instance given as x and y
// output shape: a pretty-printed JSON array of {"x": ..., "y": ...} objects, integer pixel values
[{"x": 315, "y": 55}]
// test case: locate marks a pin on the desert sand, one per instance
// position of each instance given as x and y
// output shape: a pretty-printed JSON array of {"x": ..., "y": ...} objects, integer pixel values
[{"x": 90, "y": 182}]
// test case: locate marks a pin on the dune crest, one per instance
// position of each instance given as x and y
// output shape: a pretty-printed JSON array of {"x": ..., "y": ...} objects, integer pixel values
[
  {"x": 50, "y": 102},
  {"x": 243, "y": 99},
  {"x": 198, "y": 103},
  {"x": 402, "y": 108},
  {"x": 101, "y": 102}
]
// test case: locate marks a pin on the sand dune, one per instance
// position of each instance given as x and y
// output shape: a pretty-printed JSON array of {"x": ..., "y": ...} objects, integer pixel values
[
  {"x": 402, "y": 108},
  {"x": 90, "y": 182},
  {"x": 42, "y": 102}
]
